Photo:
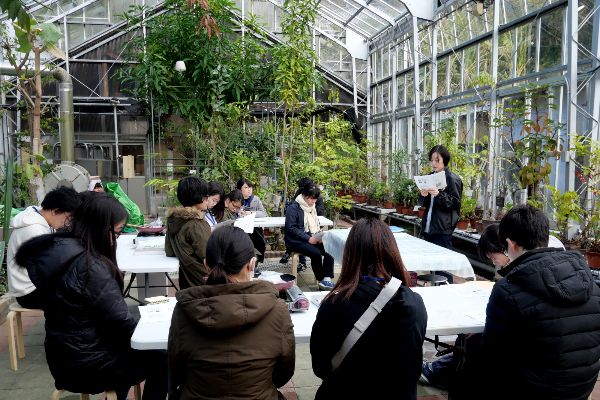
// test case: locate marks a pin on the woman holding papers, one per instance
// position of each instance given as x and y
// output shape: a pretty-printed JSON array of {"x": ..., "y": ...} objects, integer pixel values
[
  {"x": 88, "y": 325},
  {"x": 442, "y": 206},
  {"x": 301, "y": 224},
  {"x": 232, "y": 338}
]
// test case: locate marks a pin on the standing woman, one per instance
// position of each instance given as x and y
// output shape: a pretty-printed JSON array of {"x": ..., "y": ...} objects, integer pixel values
[
  {"x": 442, "y": 207},
  {"x": 216, "y": 203},
  {"x": 232, "y": 338},
  {"x": 253, "y": 203},
  {"x": 88, "y": 325},
  {"x": 385, "y": 363}
]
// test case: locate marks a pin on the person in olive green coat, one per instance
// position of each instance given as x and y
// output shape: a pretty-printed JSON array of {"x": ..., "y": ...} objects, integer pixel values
[{"x": 188, "y": 231}]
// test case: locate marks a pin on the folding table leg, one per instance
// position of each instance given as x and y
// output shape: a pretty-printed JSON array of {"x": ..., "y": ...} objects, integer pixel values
[{"x": 171, "y": 280}]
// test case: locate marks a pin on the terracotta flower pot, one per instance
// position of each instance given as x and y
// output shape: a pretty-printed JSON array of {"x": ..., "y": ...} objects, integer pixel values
[
  {"x": 474, "y": 221},
  {"x": 415, "y": 213},
  {"x": 593, "y": 259},
  {"x": 421, "y": 211},
  {"x": 379, "y": 203},
  {"x": 406, "y": 210},
  {"x": 462, "y": 224},
  {"x": 361, "y": 198},
  {"x": 479, "y": 226},
  {"x": 267, "y": 232},
  {"x": 341, "y": 193},
  {"x": 388, "y": 204}
]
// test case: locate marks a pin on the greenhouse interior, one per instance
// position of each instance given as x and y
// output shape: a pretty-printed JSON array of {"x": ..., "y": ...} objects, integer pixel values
[{"x": 469, "y": 128}]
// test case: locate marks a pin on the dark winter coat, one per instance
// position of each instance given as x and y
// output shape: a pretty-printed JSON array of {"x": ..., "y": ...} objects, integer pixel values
[
  {"x": 294, "y": 226},
  {"x": 386, "y": 361},
  {"x": 88, "y": 325},
  {"x": 446, "y": 206},
  {"x": 542, "y": 332},
  {"x": 230, "y": 341},
  {"x": 187, "y": 235}
]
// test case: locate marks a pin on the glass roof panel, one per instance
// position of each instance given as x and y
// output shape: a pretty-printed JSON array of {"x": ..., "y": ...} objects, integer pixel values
[
  {"x": 342, "y": 11},
  {"x": 370, "y": 19},
  {"x": 393, "y": 8}
]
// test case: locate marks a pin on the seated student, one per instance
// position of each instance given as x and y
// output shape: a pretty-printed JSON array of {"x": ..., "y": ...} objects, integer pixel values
[
  {"x": 441, "y": 372},
  {"x": 216, "y": 203},
  {"x": 54, "y": 214},
  {"x": 233, "y": 203},
  {"x": 232, "y": 338},
  {"x": 301, "y": 222},
  {"x": 88, "y": 325},
  {"x": 188, "y": 231},
  {"x": 385, "y": 362},
  {"x": 320, "y": 206},
  {"x": 253, "y": 203},
  {"x": 542, "y": 331}
]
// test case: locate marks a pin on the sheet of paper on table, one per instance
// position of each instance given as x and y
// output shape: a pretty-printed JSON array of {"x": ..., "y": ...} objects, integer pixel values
[
  {"x": 224, "y": 223},
  {"x": 467, "y": 290},
  {"x": 477, "y": 315},
  {"x": 437, "y": 181},
  {"x": 246, "y": 223},
  {"x": 152, "y": 246},
  {"x": 157, "y": 313}
]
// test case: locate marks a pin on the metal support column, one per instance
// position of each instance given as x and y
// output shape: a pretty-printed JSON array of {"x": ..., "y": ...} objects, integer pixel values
[
  {"x": 434, "y": 82},
  {"x": 116, "y": 142},
  {"x": 594, "y": 85},
  {"x": 417, "y": 95},
  {"x": 494, "y": 145},
  {"x": 572, "y": 34}
]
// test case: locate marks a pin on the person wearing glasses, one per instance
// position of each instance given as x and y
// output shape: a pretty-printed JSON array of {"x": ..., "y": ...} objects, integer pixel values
[
  {"x": 233, "y": 205},
  {"x": 216, "y": 203},
  {"x": 542, "y": 329},
  {"x": 188, "y": 231},
  {"x": 88, "y": 325}
]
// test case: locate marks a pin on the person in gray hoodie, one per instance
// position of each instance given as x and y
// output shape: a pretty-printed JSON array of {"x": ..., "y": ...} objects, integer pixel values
[{"x": 34, "y": 221}]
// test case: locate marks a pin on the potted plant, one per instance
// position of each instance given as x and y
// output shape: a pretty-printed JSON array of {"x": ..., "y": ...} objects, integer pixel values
[
  {"x": 566, "y": 208},
  {"x": 467, "y": 208},
  {"x": 411, "y": 196}
]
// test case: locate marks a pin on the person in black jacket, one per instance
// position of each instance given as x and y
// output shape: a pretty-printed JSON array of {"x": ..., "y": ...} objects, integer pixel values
[
  {"x": 298, "y": 235},
  {"x": 542, "y": 331},
  {"x": 385, "y": 363},
  {"x": 442, "y": 207},
  {"x": 88, "y": 325}
]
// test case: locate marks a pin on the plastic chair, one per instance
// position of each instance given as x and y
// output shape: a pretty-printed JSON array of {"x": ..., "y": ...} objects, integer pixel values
[
  {"x": 15, "y": 310},
  {"x": 110, "y": 394}
]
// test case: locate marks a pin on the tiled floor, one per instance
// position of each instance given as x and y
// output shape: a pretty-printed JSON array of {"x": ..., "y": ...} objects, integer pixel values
[{"x": 33, "y": 380}]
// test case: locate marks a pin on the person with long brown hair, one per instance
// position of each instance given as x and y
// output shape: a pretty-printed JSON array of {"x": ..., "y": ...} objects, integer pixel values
[{"x": 386, "y": 361}]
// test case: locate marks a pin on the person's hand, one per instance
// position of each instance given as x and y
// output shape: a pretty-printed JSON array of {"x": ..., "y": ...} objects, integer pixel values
[
  {"x": 424, "y": 192},
  {"x": 312, "y": 240},
  {"x": 434, "y": 192}
]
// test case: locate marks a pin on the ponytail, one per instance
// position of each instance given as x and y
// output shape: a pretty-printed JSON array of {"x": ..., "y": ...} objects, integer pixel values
[{"x": 228, "y": 250}]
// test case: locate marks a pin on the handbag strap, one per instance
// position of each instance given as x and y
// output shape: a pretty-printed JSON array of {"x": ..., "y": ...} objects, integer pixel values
[{"x": 365, "y": 320}]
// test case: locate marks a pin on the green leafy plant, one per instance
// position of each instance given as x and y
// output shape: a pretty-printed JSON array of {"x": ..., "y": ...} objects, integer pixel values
[
  {"x": 566, "y": 208},
  {"x": 467, "y": 206}
]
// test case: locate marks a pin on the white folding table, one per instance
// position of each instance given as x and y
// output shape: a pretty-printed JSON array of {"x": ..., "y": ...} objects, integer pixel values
[
  {"x": 417, "y": 254},
  {"x": 156, "y": 265},
  {"x": 438, "y": 301},
  {"x": 278, "y": 222}
]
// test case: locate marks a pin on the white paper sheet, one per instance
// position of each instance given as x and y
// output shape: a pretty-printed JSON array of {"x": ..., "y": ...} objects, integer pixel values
[
  {"x": 467, "y": 290},
  {"x": 437, "y": 181},
  {"x": 246, "y": 223},
  {"x": 157, "y": 313},
  {"x": 477, "y": 315},
  {"x": 319, "y": 235}
]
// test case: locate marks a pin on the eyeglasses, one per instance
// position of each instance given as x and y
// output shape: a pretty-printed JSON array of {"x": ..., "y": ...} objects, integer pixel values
[
  {"x": 119, "y": 233},
  {"x": 504, "y": 252}
]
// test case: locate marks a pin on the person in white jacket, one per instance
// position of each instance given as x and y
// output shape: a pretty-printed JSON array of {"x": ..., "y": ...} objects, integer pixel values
[{"x": 54, "y": 214}]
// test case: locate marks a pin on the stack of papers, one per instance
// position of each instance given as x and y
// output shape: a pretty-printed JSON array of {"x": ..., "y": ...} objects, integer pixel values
[
  {"x": 157, "y": 313},
  {"x": 151, "y": 247},
  {"x": 437, "y": 181},
  {"x": 477, "y": 315}
]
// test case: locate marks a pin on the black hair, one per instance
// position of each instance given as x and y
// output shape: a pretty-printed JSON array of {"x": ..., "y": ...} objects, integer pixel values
[
  {"x": 525, "y": 225},
  {"x": 311, "y": 191},
  {"x": 235, "y": 195},
  {"x": 84, "y": 196},
  {"x": 241, "y": 182},
  {"x": 191, "y": 191},
  {"x": 94, "y": 222},
  {"x": 304, "y": 181},
  {"x": 64, "y": 199},
  {"x": 228, "y": 250},
  {"x": 218, "y": 210},
  {"x": 442, "y": 151},
  {"x": 489, "y": 243}
]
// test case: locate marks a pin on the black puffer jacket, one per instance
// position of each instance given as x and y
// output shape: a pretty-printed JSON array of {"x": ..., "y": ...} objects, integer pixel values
[
  {"x": 385, "y": 363},
  {"x": 88, "y": 326},
  {"x": 446, "y": 206},
  {"x": 542, "y": 332}
]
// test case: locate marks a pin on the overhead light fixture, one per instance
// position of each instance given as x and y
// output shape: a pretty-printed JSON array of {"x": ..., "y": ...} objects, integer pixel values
[
  {"x": 180, "y": 66},
  {"x": 581, "y": 8}
]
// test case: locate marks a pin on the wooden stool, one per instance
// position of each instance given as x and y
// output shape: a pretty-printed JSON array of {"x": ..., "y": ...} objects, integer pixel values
[
  {"x": 15, "y": 310},
  {"x": 110, "y": 394},
  {"x": 295, "y": 257}
]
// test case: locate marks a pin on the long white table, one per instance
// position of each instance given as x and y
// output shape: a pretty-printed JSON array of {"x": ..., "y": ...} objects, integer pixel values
[
  {"x": 277, "y": 222},
  {"x": 155, "y": 268},
  {"x": 417, "y": 254},
  {"x": 438, "y": 301}
]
